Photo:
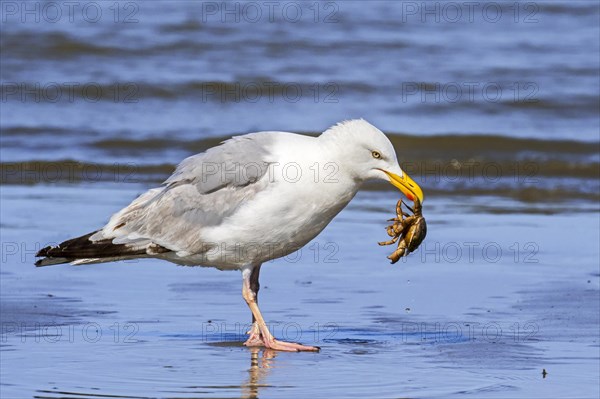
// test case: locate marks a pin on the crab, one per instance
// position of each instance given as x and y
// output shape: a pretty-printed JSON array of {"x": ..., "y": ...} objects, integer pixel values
[{"x": 409, "y": 229}]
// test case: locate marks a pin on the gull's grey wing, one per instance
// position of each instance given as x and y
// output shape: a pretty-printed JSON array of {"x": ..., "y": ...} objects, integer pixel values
[
  {"x": 204, "y": 190},
  {"x": 236, "y": 162}
]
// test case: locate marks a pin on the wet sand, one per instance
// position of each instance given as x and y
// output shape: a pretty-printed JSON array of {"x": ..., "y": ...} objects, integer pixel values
[{"x": 446, "y": 322}]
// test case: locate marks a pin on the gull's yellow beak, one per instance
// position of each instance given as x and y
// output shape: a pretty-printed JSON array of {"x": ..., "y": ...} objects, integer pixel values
[{"x": 407, "y": 185}]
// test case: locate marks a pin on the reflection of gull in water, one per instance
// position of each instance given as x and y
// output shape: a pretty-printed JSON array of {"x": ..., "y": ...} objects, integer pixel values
[
  {"x": 251, "y": 199},
  {"x": 259, "y": 368}
]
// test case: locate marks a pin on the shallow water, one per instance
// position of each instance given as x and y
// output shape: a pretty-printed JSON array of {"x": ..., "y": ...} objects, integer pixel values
[
  {"x": 497, "y": 120},
  {"x": 442, "y": 323},
  {"x": 177, "y": 68}
]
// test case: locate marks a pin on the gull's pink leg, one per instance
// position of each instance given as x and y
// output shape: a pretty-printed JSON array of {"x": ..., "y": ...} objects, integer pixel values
[
  {"x": 255, "y": 338},
  {"x": 259, "y": 333}
]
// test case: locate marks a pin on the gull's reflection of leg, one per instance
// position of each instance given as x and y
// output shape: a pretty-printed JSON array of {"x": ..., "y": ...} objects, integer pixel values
[{"x": 259, "y": 369}]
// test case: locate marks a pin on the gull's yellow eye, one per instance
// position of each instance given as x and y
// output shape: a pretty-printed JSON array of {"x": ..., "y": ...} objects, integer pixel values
[{"x": 376, "y": 155}]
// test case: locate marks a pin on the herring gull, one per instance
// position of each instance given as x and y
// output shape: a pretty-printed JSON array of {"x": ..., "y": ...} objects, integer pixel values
[{"x": 251, "y": 199}]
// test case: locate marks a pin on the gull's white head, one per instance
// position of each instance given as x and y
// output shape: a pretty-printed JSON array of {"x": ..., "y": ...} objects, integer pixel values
[{"x": 369, "y": 154}]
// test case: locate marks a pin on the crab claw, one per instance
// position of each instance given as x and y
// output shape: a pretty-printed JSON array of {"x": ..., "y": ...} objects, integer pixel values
[{"x": 390, "y": 231}]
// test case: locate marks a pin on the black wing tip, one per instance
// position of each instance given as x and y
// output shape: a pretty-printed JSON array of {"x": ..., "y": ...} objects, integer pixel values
[
  {"x": 43, "y": 251},
  {"x": 46, "y": 257},
  {"x": 48, "y": 261},
  {"x": 82, "y": 248},
  {"x": 55, "y": 254},
  {"x": 40, "y": 262}
]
